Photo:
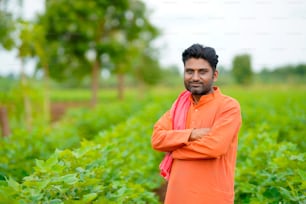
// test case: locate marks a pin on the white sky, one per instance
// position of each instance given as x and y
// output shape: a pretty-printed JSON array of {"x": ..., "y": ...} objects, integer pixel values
[{"x": 273, "y": 32}]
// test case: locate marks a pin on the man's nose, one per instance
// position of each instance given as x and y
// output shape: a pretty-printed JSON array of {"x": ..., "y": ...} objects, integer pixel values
[{"x": 195, "y": 76}]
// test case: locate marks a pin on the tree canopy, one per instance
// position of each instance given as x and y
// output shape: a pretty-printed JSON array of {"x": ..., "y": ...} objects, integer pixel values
[
  {"x": 7, "y": 26},
  {"x": 82, "y": 32},
  {"x": 242, "y": 69},
  {"x": 72, "y": 40}
]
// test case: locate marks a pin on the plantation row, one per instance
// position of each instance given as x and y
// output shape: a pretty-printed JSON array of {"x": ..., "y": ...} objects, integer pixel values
[
  {"x": 271, "y": 157},
  {"x": 115, "y": 162},
  {"x": 107, "y": 154},
  {"x": 22, "y": 148},
  {"x": 117, "y": 166}
]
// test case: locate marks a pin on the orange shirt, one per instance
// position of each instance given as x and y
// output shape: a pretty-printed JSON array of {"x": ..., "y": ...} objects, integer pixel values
[{"x": 202, "y": 170}]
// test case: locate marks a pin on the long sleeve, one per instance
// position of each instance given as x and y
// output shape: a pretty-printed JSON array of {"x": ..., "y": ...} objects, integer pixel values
[
  {"x": 164, "y": 138},
  {"x": 202, "y": 170},
  {"x": 218, "y": 140}
]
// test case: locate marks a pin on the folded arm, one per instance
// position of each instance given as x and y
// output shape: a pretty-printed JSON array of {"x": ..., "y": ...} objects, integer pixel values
[
  {"x": 217, "y": 141},
  {"x": 165, "y": 139}
]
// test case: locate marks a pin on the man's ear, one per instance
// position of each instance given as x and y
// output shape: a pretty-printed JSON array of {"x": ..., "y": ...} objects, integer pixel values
[{"x": 215, "y": 75}]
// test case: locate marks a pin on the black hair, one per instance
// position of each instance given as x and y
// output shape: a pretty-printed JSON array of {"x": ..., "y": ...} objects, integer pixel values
[{"x": 199, "y": 51}]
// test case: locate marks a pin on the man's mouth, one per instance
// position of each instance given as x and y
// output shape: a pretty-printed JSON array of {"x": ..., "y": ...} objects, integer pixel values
[{"x": 195, "y": 85}]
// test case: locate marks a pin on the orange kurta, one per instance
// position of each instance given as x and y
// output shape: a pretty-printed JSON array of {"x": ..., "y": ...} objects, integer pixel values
[{"x": 203, "y": 170}]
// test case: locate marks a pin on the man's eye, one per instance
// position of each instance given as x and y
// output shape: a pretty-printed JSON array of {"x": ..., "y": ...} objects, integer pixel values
[{"x": 189, "y": 71}]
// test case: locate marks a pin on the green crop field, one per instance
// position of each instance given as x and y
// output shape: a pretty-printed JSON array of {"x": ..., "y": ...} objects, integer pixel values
[{"x": 104, "y": 155}]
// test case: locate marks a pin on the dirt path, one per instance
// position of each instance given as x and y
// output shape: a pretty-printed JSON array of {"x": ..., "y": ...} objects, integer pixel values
[
  {"x": 58, "y": 109},
  {"x": 161, "y": 192}
]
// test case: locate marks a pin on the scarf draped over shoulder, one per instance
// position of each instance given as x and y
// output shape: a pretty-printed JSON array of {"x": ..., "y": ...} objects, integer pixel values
[{"x": 178, "y": 113}]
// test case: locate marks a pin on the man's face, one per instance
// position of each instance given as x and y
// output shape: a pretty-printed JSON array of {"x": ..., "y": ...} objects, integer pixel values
[{"x": 199, "y": 76}]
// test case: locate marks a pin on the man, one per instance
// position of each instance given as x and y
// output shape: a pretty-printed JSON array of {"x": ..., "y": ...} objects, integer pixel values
[{"x": 201, "y": 133}]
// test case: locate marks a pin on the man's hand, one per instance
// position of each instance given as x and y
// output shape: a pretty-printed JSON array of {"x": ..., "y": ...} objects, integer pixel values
[{"x": 198, "y": 133}]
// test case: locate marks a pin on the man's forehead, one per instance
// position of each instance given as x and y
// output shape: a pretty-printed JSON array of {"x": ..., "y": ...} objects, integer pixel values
[{"x": 196, "y": 68}]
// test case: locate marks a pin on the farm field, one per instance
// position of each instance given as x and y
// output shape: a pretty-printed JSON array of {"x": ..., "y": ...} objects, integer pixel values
[{"x": 104, "y": 155}]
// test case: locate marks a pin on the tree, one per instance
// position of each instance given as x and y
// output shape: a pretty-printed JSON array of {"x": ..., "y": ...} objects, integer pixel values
[
  {"x": 86, "y": 30},
  {"x": 147, "y": 70},
  {"x": 136, "y": 46},
  {"x": 7, "y": 26},
  {"x": 242, "y": 69},
  {"x": 33, "y": 43}
]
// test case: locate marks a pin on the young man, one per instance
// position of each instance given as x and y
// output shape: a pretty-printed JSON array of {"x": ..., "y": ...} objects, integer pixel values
[{"x": 200, "y": 133}]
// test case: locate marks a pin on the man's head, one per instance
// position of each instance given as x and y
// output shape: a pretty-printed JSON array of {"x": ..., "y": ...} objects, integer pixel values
[
  {"x": 200, "y": 69},
  {"x": 199, "y": 51}
]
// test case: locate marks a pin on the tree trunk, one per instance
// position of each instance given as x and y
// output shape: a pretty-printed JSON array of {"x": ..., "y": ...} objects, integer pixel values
[
  {"x": 26, "y": 100},
  {"x": 120, "y": 78},
  {"x": 95, "y": 83},
  {"x": 142, "y": 88},
  {"x": 46, "y": 94},
  {"x": 4, "y": 122}
]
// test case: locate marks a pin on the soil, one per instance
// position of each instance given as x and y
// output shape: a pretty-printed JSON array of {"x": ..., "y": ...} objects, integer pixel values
[
  {"x": 161, "y": 192},
  {"x": 58, "y": 109}
]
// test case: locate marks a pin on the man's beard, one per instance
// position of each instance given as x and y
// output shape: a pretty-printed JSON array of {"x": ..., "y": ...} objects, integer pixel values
[{"x": 200, "y": 90}]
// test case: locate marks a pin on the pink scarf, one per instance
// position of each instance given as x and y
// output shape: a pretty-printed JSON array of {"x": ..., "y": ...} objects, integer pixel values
[{"x": 179, "y": 112}]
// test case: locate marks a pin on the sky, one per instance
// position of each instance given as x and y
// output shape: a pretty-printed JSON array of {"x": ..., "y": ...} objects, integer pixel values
[{"x": 273, "y": 32}]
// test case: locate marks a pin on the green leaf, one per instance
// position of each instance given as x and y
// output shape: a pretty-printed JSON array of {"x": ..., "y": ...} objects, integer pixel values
[
  {"x": 247, "y": 187},
  {"x": 70, "y": 179},
  {"x": 13, "y": 184},
  {"x": 51, "y": 161},
  {"x": 56, "y": 201},
  {"x": 287, "y": 194},
  {"x": 302, "y": 173},
  {"x": 40, "y": 164},
  {"x": 43, "y": 184},
  {"x": 89, "y": 197},
  {"x": 121, "y": 191},
  {"x": 47, "y": 165}
]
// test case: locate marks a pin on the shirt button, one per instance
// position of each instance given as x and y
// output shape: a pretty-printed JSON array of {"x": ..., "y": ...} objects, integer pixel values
[{"x": 196, "y": 110}]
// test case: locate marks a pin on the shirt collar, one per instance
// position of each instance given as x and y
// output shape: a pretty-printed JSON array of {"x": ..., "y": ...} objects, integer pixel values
[{"x": 206, "y": 98}]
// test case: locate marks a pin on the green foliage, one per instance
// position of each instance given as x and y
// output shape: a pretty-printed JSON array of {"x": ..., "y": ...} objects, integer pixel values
[
  {"x": 88, "y": 123},
  {"x": 119, "y": 166},
  {"x": 100, "y": 28},
  {"x": 171, "y": 77},
  {"x": 98, "y": 170},
  {"x": 242, "y": 69},
  {"x": 294, "y": 74},
  {"x": 148, "y": 70},
  {"x": 22, "y": 148},
  {"x": 7, "y": 26},
  {"x": 6, "y": 83},
  {"x": 13, "y": 99},
  {"x": 270, "y": 172},
  {"x": 43, "y": 140},
  {"x": 225, "y": 77},
  {"x": 271, "y": 156}
]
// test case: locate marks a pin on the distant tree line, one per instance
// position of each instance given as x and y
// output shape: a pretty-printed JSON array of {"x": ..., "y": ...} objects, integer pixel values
[
  {"x": 74, "y": 41},
  {"x": 242, "y": 73},
  {"x": 284, "y": 74}
]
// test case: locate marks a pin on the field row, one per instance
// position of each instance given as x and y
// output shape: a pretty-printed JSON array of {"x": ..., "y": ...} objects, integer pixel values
[{"x": 104, "y": 154}]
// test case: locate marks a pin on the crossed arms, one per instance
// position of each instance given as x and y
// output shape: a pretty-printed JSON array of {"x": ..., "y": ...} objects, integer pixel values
[{"x": 198, "y": 143}]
